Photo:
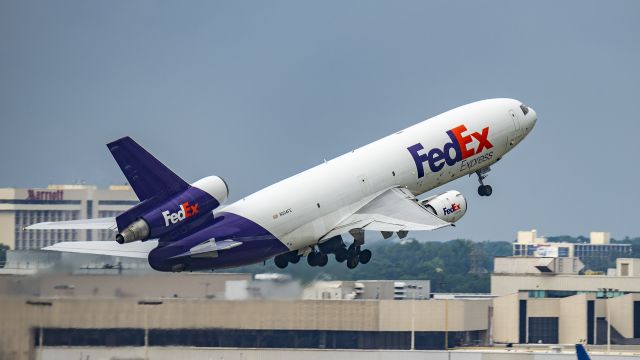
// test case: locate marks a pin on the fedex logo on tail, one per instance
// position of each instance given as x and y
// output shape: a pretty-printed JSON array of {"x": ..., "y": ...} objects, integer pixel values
[
  {"x": 460, "y": 144},
  {"x": 186, "y": 211}
]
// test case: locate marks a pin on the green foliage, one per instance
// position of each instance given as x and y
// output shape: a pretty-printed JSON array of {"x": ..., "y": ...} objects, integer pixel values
[{"x": 446, "y": 264}]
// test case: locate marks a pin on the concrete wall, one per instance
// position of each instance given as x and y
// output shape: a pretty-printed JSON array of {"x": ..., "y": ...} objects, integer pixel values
[
  {"x": 509, "y": 284},
  {"x": 622, "y": 313},
  {"x": 376, "y": 289},
  {"x": 7, "y": 234},
  {"x": 154, "y": 285},
  {"x": 527, "y": 265},
  {"x": 278, "y": 354},
  {"x": 505, "y": 318},
  {"x": 573, "y": 320},
  {"x": 434, "y": 315},
  {"x": 18, "y": 316},
  {"x": 632, "y": 267},
  {"x": 543, "y": 308}
]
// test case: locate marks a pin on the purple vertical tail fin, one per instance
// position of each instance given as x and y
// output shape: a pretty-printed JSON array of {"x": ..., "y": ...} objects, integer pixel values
[{"x": 147, "y": 176}]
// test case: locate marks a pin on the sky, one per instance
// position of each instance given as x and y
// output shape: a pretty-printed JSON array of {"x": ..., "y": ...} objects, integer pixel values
[{"x": 257, "y": 91}]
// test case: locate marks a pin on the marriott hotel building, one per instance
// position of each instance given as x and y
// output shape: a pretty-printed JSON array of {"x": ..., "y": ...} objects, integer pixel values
[{"x": 22, "y": 207}]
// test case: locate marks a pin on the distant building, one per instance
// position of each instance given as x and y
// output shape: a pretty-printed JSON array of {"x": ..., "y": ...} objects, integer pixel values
[
  {"x": 27, "y": 262},
  {"x": 23, "y": 207},
  {"x": 263, "y": 286},
  {"x": 115, "y": 324},
  {"x": 94, "y": 286},
  {"x": 545, "y": 299},
  {"x": 369, "y": 290},
  {"x": 529, "y": 243}
]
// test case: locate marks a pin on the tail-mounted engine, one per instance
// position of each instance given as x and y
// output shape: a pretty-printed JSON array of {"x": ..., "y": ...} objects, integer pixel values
[
  {"x": 450, "y": 206},
  {"x": 165, "y": 215}
]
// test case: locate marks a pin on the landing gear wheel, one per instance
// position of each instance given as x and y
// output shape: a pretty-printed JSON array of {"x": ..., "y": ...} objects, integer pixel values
[
  {"x": 341, "y": 255},
  {"x": 294, "y": 259},
  {"x": 352, "y": 262},
  {"x": 364, "y": 256},
  {"x": 312, "y": 258},
  {"x": 353, "y": 250},
  {"x": 323, "y": 259},
  {"x": 281, "y": 262},
  {"x": 485, "y": 190}
]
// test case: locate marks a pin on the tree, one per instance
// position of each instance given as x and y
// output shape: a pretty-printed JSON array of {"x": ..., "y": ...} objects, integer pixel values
[{"x": 446, "y": 264}]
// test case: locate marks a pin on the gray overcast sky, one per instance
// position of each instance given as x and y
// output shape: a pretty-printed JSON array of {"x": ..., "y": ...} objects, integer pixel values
[{"x": 258, "y": 91}]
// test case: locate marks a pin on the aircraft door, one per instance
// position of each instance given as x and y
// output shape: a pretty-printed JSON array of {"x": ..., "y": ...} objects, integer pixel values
[
  {"x": 514, "y": 135},
  {"x": 516, "y": 120}
]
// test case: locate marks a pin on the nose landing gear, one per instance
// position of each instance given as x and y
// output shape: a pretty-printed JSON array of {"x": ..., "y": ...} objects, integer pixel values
[{"x": 483, "y": 190}]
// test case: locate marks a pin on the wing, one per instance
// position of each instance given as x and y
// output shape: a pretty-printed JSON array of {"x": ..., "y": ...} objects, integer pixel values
[
  {"x": 88, "y": 224},
  {"x": 393, "y": 210},
  {"x": 136, "y": 249}
]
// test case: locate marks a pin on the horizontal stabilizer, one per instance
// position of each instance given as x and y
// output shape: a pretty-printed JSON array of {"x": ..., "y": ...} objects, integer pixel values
[
  {"x": 137, "y": 249},
  {"x": 147, "y": 175},
  {"x": 108, "y": 223},
  {"x": 209, "y": 248}
]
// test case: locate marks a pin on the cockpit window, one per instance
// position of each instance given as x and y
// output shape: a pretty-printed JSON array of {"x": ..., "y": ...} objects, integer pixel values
[{"x": 524, "y": 108}]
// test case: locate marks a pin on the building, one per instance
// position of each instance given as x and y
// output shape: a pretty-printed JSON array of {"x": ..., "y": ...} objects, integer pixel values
[
  {"x": 528, "y": 243},
  {"x": 22, "y": 207},
  {"x": 369, "y": 290},
  {"x": 114, "y": 286},
  {"x": 547, "y": 300},
  {"x": 23, "y": 262},
  {"x": 26, "y": 322},
  {"x": 263, "y": 286}
]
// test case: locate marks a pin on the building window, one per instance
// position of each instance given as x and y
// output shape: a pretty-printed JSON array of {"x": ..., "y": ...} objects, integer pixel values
[
  {"x": 563, "y": 251},
  {"x": 543, "y": 330}
]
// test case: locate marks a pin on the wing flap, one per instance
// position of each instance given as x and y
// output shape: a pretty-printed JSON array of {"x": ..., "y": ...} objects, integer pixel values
[
  {"x": 137, "y": 249},
  {"x": 86, "y": 224},
  {"x": 394, "y": 210}
]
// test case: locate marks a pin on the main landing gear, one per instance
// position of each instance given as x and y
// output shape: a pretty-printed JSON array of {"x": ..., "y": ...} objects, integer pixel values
[
  {"x": 352, "y": 255},
  {"x": 483, "y": 190},
  {"x": 282, "y": 261},
  {"x": 317, "y": 258},
  {"x": 357, "y": 256}
]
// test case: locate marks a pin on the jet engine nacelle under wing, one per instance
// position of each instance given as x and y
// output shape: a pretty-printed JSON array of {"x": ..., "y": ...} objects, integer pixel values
[
  {"x": 449, "y": 206},
  {"x": 198, "y": 200}
]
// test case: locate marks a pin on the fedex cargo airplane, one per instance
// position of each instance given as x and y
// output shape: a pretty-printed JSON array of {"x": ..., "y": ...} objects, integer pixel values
[{"x": 180, "y": 226}]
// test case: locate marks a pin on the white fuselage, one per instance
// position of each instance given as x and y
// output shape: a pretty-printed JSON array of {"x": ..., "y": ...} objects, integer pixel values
[{"x": 302, "y": 209}]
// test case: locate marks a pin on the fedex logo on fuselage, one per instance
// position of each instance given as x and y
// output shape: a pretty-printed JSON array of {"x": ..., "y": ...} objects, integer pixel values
[
  {"x": 452, "y": 209},
  {"x": 437, "y": 158},
  {"x": 186, "y": 211}
]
